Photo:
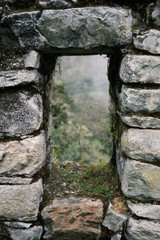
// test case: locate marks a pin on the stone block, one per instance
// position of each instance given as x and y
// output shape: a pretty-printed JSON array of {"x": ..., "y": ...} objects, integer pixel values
[
  {"x": 156, "y": 14},
  {"x": 32, "y": 60},
  {"x": 141, "y": 144},
  {"x": 140, "y": 69},
  {"x": 78, "y": 31},
  {"x": 54, "y": 3},
  {"x": 18, "y": 77},
  {"x": 134, "y": 100},
  {"x": 73, "y": 218},
  {"x": 15, "y": 180},
  {"x": 20, "y": 202},
  {"x": 16, "y": 225},
  {"x": 116, "y": 237},
  {"x": 149, "y": 41},
  {"x": 114, "y": 221},
  {"x": 23, "y": 157},
  {"x": 140, "y": 121},
  {"x": 26, "y": 234},
  {"x": 21, "y": 113},
  {"x": 139, "y": 180},
  {"x": 142, "y": 230},
  {"x": 150, "y": 211}
]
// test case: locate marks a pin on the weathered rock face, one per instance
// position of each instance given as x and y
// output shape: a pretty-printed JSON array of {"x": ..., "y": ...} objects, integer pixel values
[
  {"x": 141, "y": 144},
  {"x": 145, "y": 210},
  {"x": 23, "y": 157},
  {"x": 21, "y": 113},
  {"x": 141, "y": 121},
  {"x": 73, "y": 219},
  {"x": 79, "y": 27},
  {"x": 116, "y": 237},
  {"x": 32, "y": 60},
  {"x": 55, "y": 3},
  {"x": 156, "y": 14},
  {"x": 113, "y": 220},
  {"x": 25, "y": 234},
  {"x": 133, "y": 100},
  {"x": 149, "y": 41},
  {"x": 20, "y": 202},
  {"x": 142, "y": 69},
  {"x": 18, "y": 77},
  {"x": 139, "y": 180},
  {"x": 15, "y": 180},
  {"x": 142, "y": 230}
]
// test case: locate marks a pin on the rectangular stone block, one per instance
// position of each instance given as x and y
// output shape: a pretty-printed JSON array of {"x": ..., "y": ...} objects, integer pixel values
[
  {"x": 139, "y": 100},
  {"x": 139, "y": 181},
  {"x": 75, "y": 29},
  {"x": 20, "y": 202},
  {"x": 23, "y": 157},
  {"x": 21, "y": 113},
  {"x": 18, "y": 77},
  {"x": 149, "y": 41},
  {"x": 142, "y": 230},
  {"x": 140, "y": 121},
  {"x": 141, "y": 144},
  {"x": 140, "y": 69}
]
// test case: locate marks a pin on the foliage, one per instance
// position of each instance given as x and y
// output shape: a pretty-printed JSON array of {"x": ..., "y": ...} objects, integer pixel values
[{"x": 79, "y": 134}]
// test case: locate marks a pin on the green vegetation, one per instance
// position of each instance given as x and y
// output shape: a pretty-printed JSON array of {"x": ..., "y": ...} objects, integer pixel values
[{"x": 80, "y": 134}]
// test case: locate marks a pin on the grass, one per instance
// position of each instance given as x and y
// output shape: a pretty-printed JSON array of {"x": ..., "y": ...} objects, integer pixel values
[{"x": 70, "y": 179}]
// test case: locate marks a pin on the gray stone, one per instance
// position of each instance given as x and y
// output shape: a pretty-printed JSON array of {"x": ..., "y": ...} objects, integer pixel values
[
  {"x": 54, "y": 3},
  {"x": 140, "y": 121},
  {"x": 134, "y": 100},
  {"x": 142, "y": 230},
  {"x": 78, "y": 31},
  {"x": 15, "y": 180},
  {"x": 32, "y": 60},
  {"x": 73, "y": 218},
  {"x": 22, "y": 225},
  {"x": 79, "y": 27},
  {"x": 21, "y": 113},
  {"x": 114, "y": 221},
  {"x": 26, "y": 234},
  {"x": 24, "y": 157},
  {"x": 20, "y": 202},
  {"x": 156, "y": 14},
  {"x": 149, "y": 41},
  {"x": 141, "y": 144},
  {"x": 116, "y": 237},
  {"x": 139, "y": 180},
  {"x": 140, "y": 69},
  {"x": 146, "y": 210},
  {"x": 18, "y": 77}
]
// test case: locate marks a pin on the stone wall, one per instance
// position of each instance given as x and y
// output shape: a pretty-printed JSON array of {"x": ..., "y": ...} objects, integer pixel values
[{"x": 32, "y": 34}]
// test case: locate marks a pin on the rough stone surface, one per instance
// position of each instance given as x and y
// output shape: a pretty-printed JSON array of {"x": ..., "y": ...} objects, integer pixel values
[
  {"x": 140, "y": 69},
  {"x": 55, "y": 3},
  {"x": 141, "y": 144},
  {"x": 26, "y": 234},
  {"x": 21, "y": 113},
  {"x": 149, "y": 41},
  {"x": 139, "y": 100},
  {"x": 139, "y": 180},
  {"x": 72, "y": 219},
  {"x": 142, "y": 230},
  {"x": 23, "y": 157},
  {"x": 32, "y": 60},
  {"x": 18, "y": 225},
  {"x": 20, "y": 202},
  {"x": 156, "y": 14},
  {"x": 146, "y": 210},
  {"x": 79, "y": 27},
  {"x": 15, "y": 180},
  {"x": 113, "y": 220},
  {"x": 140, "y": 121},
  {"x": 18, "y": 77},
  {"x": 116, "y": 237}
]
